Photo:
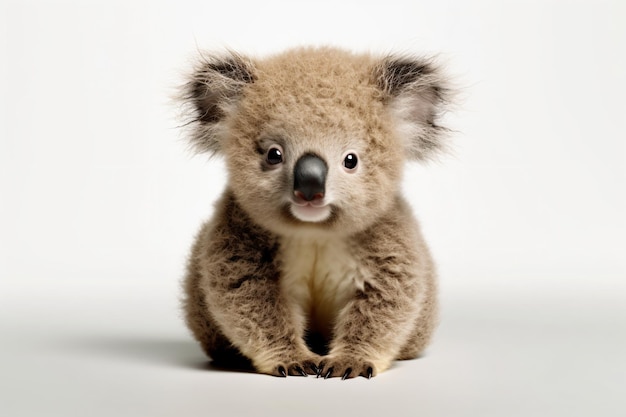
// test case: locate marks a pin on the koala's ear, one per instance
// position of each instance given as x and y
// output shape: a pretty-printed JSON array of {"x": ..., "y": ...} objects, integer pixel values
[
  {"x": 211, "y": 92},
  {"x": 415, "y": 91}
]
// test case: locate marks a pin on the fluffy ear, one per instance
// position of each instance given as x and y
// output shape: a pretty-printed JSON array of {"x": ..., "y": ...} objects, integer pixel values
[
  {"x": 211, "y": 92},
  {"x": 416, "y": 93}
]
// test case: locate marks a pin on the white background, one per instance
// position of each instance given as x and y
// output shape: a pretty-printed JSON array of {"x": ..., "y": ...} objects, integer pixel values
[{"x": 100, "y": 199}]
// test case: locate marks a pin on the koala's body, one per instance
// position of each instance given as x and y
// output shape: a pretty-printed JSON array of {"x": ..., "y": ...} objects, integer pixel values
[{"x": 313, "y": 262}]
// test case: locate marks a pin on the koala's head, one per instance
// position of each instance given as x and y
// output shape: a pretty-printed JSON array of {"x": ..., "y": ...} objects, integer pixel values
[{"x": 315, "y": 138}]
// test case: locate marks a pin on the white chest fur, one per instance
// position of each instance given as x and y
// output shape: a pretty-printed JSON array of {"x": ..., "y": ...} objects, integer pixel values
[{"x": 321, "y": 276}]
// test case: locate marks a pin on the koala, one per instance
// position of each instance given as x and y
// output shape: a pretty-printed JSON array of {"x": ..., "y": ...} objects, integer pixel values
[{"x": 313, "y": 263}]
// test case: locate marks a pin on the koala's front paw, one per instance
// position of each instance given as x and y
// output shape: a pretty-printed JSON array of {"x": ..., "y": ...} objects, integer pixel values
[
  {"x": 346, "y": 366},
  {"x": 303, "y": 367}
]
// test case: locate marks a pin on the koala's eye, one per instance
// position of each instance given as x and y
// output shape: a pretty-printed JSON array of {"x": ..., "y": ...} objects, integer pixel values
[
  {"x": 350, "y": 161},
  {"x": 274, "y": 156}
]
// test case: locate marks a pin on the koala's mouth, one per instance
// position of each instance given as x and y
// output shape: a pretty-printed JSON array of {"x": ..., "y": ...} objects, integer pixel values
[{"x": 310, "y": 211}]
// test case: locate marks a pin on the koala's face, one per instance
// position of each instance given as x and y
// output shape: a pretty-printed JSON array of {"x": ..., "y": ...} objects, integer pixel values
[{"x": 313, "y": 138}]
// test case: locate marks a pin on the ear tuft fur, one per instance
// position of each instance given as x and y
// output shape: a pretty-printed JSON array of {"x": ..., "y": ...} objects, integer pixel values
[
  {"x": 211, "y": 93},
  {"x": 416, "y": 92}
]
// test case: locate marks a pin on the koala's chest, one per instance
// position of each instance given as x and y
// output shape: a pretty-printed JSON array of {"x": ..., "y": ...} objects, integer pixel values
[{"x": 320, "y": 277}]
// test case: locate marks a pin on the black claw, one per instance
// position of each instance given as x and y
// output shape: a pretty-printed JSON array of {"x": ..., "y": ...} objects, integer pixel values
[
  {"x": 315, "y": 369},
  {"x": 346, "y": 374},
  {"x": 329, "y": 373},
  {"x": 320, "y": 369},
  {"x": 300, "y": 371},
  {"x": 370, "y": 372},
  {"x": 281, "y": 370}
]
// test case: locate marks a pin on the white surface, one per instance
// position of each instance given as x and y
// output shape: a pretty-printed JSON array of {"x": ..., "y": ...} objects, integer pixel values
[
  {"x": 99, "y": 202},
  {"x": 125, "y": 353}
]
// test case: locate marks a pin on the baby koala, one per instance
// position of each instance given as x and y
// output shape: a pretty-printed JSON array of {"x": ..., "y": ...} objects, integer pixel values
[{"x": 312, "y": 262}]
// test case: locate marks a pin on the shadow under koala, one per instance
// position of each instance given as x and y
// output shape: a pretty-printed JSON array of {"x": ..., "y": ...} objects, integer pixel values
[
  {"x": 183, "y": 353},
  {"x": 230, "y": 359}
]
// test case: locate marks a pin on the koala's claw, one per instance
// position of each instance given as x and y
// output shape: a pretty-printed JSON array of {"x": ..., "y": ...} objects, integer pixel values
[
  {"x": 346, "y": 368},
  {"x": 299, "y": 370},
  {"x": 315, "y": 369},
  {"x": 295, "y": 366},
  {"x": 306, "y": 367}
]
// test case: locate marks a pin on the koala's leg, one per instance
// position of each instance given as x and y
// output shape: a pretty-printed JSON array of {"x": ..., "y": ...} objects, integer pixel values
[
  {"x": 239, "y": 277},
  {"x": 424, "y": 324},
  {"x": 386, "y": 320},
  {"x": 202, "y": 324}
]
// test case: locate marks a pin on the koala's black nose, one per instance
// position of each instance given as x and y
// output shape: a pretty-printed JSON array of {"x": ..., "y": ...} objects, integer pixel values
[{"x": 309, "y": 177}]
